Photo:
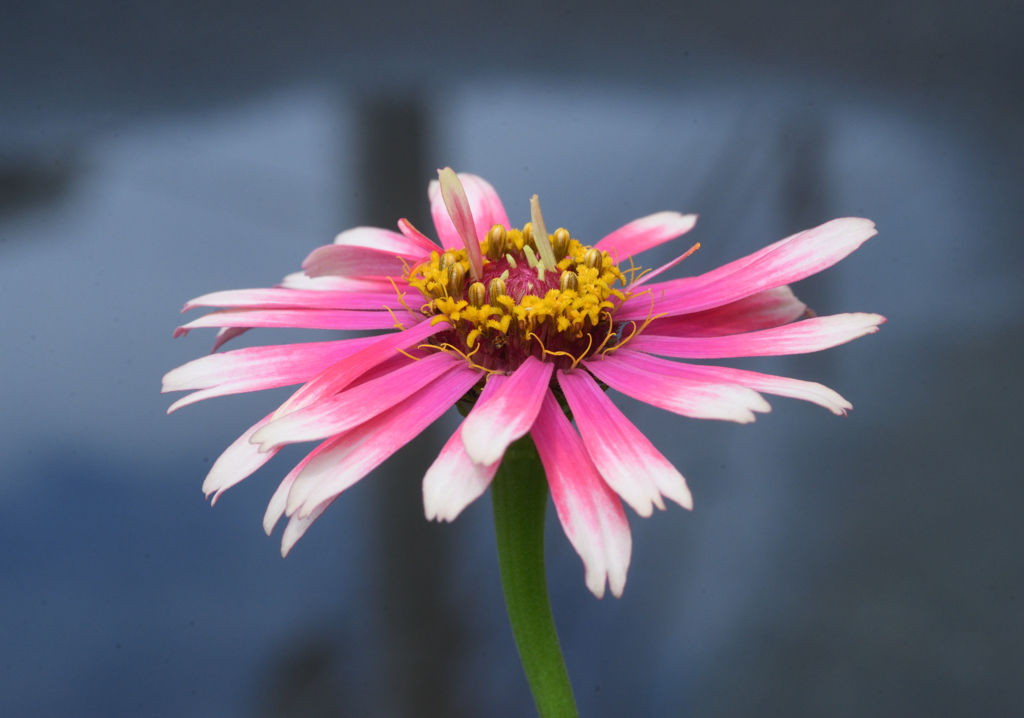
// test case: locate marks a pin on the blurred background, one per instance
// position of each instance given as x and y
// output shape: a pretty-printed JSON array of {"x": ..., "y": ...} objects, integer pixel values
[{"x": 153, "y": 152}]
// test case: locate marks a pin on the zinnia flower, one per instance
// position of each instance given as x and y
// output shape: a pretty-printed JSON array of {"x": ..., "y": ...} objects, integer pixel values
[{"x": 519, "y": 328}]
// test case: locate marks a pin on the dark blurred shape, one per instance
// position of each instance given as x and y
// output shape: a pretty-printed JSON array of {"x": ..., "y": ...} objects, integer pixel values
[
  {"x": 422, "y": 633},
  {"x": 306, "y": 684},
  {"x": 31, "y": 179}
]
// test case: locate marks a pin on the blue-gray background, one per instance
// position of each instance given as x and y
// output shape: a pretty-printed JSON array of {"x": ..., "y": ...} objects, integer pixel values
[{"x": 150, "y": 153}]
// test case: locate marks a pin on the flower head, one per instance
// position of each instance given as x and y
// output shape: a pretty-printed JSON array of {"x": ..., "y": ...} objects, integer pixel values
[{"x": 519, "y": 327}]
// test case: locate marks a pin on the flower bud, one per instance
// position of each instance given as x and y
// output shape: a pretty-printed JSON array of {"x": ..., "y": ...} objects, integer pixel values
[
  {"x": 561, "y": 243},
  {"x": 445, "y": 261},
  {"x": 476, "y": 294},
  {"x": 592, "y": 258},
  {"x": 495, "y": 290},
  {"x": 496, "y": 243},
  {"x": 528, "y": 236},
  {"x": 569, "y": 281},
  {"x": 456, "y": 278}
]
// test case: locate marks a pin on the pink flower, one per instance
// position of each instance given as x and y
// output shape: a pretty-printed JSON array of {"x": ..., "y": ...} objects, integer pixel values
[{"x": 514, "y": 325}]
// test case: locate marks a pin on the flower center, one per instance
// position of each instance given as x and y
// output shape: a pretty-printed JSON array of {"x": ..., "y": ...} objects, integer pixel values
[{"x": 519, "y": 308}]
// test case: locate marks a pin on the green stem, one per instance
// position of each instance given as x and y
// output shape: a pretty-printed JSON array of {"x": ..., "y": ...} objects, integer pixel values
[{"x": 520, "y": 496}]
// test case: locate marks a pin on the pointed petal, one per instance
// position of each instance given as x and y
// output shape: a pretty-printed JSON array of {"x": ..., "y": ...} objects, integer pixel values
[
  {"x": 509, "y": 415},
  {"x": 770, "y": 308},
  {"x": 698, "y": 398},
  {"x": 360, "y": 450},
  {"x": 336, "y": 319},
  {"x": 484, "y": 203},
  {"x": 646, "y": 233},
  {"x": 297, "y": 527},
  {"x": 352, "y": 407},
  {"x": 809, "y": 335},
  {"x": 457, "y": 204},
  {"x": 383, "y": 240},
  {"x": 278, "y": 502},
  {"x": 226, "y": 334},
  {"x": 339, "y": 260},
  {"x": 339, "y": 375},
  {"x": 257, "y": 368},
  {"x": 237, "y": 462},
  {"x": 785, "y": 262},
  {"x": 663, "y": 268},
  {"x": 453, "y": 481},
  {"x": 767, "y": 383},
  {"x": 625, "y": 458},
  {"x": 280, "y": 298},
  {"x": 414, "y": 235},
  {"x": 589, "y": 511}
]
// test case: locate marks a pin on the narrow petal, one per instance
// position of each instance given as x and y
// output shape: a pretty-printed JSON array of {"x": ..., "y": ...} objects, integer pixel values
[
  {"x": 379, "y": 285},
  {"x": 383, "y": 240},
  {"x": 337, "y": 319},
  {"x": 224, "y": 335},
  {"x": 280, "y": 298},
  {"x": 297, "y": 526},
  {"x": 414, "y": 235},
  {"x": 278, "y": 502},
  {"x": 453, "y": 481},
  {"x": 785, "y": 262},
  {"x": 360, "y": 450},
  {"x": 695, "y": 397},
  {"x": 767, "y": 383},
  {"x": 352, "y": 407},
  {"x": 629, "y": 463},
  {"x": 257, "y": 368},
  {"x": 509, "y": 415},
  {"x": 646, "y": 233},
  {"x": 457, "y": 204},
  {"x": 339, "y": 375},
  {"x": 484, "y": 203},
  {"x": 237, "y": 462},
  {"x": 590, "y": 512},
  {"x": 339, "y": 260},
  {"x": 770, "y": 308},
  {"x": 809, "y": 335},
  {"x": 662, "y": 269}
]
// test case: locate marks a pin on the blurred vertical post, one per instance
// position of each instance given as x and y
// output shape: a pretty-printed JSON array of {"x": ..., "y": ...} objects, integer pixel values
[{"x": 419, "y": 628}]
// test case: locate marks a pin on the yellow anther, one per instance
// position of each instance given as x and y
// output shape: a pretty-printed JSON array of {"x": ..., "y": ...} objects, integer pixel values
[
  {"x": 496, "y": 242},
  {"x": 569, "y": 282},
  {"x": 592, "y": 259},
  {"x": 456, "y": 279},
  {"x": 477, "y": 294},
  {"x": 495, "y": 290},
  {"x": 561, "y": 243}
]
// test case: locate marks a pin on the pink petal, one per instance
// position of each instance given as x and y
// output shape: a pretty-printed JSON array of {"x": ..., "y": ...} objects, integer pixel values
[
  {"x": 414, "y": 235},
  {"x": 383, "y": 240},
  {"x": 352, "y": 407},
  {"x": 226, "y": 334},
  {"x": 809, "y": 335},
  {"x": 785, "y": 262},
  {"x": 257, "y": 368},
  {"x": 590, "y": 512},
  {"x": 280, "y": 298},
  {"x": 625, "y": 458},
  {"x": 770, "y": 308},
  {"x": 336, "y": 319},
  {"x": 769, "y": 384},
  {"x": 360, "y": 450},
  {"x": 278, "y": 502},
  {"x": 662, "y": 269},
  {"x": 347, "y": 261},
  {"x": 457, "y": 204},
  {"x": 697, "y": 397},
  {"x": 646, "y": 233},
  {"x": 484, "y": 204},
  {"x": 237, "y": 462},
  {"x": 453, "y": 481},
  {"x": 297, "y": 526},
  {"x": 487, "y": 432},
  {"x": 339, "y": 375},
  {"x": 378, "y": 285}
]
